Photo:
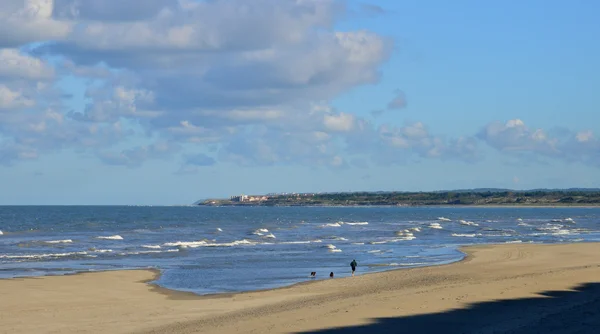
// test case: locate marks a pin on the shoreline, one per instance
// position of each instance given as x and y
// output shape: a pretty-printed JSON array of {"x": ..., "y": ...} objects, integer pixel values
[
  {"x": 449, "y": 206},
  {"x": 125, "y": 301}
]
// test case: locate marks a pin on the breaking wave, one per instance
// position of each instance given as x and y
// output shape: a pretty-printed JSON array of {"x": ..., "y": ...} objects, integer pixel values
[{"x": 111, "y": 237}]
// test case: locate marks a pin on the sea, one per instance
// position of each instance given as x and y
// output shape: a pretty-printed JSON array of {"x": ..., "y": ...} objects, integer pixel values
[{"x": 209, "y": 250}]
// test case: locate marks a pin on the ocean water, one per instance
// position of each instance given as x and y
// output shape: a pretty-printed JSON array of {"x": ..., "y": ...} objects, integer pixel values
[{"x": 229, "y": 249}]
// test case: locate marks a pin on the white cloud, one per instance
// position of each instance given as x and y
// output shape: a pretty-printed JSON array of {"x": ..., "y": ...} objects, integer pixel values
[
  {"x": 27, "y": 21},
  {"x": 339, "y": 123},
  {"x": 10, "y": 99},
  {"x": 515, "y": 137},
  {"x": 15, "y": 65}
]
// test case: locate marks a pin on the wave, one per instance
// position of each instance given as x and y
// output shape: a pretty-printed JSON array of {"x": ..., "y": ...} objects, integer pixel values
[
  {"x": 112, "y": 237},
  {"x": 260, "y": 231},
  {"x": 204, "y": 243},
  {"x": 66, "y": 241},
  {"x": 333, "y": 224},
  {"x": 514, "y": 242},
  {"x": 151, "y": 246},
  {"x": 435, "y": 226},
  {"x": 330, "y": 246},
  {"x": 149, "y": 252},
  {"x": 94, "y": 250},
  {"x": 358, "y": 243},
  {"x": 269, "y": 236},
  {"x": 1, "y": 233},
  {"x": 394, "y": 264},
  {"x": 405, "y": 235},
  {"x": 415, "y": 229},
  {"x": 468, "y": 223},
  {"x": 42, "y": 256},
  {"x": 358, "y": 223},
  {"x": 295, "y": 242},
  {"x": 335, "y": 250},
  {"x": 464, "y": 235},
  {"x": 219, "y": 229},
  {"x": 444, "y": 219}
]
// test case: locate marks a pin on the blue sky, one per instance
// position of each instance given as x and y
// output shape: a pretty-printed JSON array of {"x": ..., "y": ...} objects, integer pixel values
[{"x": 167, "y": 102}]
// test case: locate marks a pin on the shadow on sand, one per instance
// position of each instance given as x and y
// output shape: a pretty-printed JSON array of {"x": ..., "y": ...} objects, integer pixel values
[{"x": 576, "y": 311}]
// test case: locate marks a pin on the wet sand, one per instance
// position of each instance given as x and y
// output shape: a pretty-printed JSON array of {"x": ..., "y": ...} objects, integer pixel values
[{"x": 513, "y": 288}]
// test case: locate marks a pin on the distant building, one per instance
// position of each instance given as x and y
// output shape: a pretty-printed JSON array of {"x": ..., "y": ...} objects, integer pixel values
[
  {"x": 246, "y": 198},
  {"x": 241, "y": 198}
]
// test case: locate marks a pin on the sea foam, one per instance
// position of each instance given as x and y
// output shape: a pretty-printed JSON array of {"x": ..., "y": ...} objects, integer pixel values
[
  {"x": 358, "y": 223},
  {"x": 112, "y": 237},
  {"x": 468, "y": 223},
  {"x": 66, "y": 241}
]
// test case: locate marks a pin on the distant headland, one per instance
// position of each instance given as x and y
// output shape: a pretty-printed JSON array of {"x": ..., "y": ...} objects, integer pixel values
[{"x": 464, "y": 197}]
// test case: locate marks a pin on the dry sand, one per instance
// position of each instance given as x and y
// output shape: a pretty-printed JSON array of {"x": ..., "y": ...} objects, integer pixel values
[{"x": 514, "y": 288}]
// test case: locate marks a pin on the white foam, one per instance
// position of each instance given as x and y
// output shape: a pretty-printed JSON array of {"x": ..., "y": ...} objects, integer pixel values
[
  {"x": 295, "y": 242},
  {"x": 444, "y": 219},
  {"x": 514, "y": 242},
  {"x": 464, "y": 235},
  {"x": 203, "y": 243},
  {"x": 415, "y": 229},
  {"x": 358, "y": 243},
  {"x": 219, "y": 229},
  {"x": 41, "y": 256},
  {"x": 101, "y": 250},
  {"x": 260, "y": 231},
  {"x": 333, "y": 225},
  {"x": 358, "y": 223},
  {"x": 149, "y": 252},
  {"x": 569, "y": 220},
  {"x": 317, "y": 241},
  {"x": 435, "y": 226},
  {"x": 270, "y": 236},
  {"x": 112, "y": 237},
  {"x": 405, "y": 235},
  {"x": 468, "y": 223},
  {"x": 374, "y": 251},
  {"x": 335, "y": 250},
  {"x": 339, "y": 238},
  {"x": 519, "y": 219},
  {"x": 66, "y": 241},
  {"x": 151, "y": 246},
  {"x": 330, "y": 246},
  {"x": 1, "y": 233}
]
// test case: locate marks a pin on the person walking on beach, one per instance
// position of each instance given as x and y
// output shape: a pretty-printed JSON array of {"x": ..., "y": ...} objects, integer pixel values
[{"x": 353, "y": 265}]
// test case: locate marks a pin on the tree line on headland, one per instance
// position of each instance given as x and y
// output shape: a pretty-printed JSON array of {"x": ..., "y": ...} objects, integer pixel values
[{"x": 491, "y": 197}]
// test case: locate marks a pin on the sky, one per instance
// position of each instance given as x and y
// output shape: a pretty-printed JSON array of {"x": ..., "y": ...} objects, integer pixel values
[{"x": 165, "y": 102}]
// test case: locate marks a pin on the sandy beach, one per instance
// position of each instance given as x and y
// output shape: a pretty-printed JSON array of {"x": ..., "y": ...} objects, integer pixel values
[{"x": 513, "y": 288}]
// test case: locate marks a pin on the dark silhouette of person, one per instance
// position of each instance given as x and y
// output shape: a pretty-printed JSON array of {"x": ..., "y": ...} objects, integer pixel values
[
  {"x": 331, "y": 274},
  {"x": 353, "y": 264}
]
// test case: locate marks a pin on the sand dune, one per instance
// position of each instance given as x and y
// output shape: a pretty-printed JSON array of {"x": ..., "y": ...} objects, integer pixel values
[{"x": 515, "y": 288}]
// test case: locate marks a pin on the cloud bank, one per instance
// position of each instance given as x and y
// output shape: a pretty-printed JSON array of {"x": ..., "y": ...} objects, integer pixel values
[{"x": 248, "y": 84}]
